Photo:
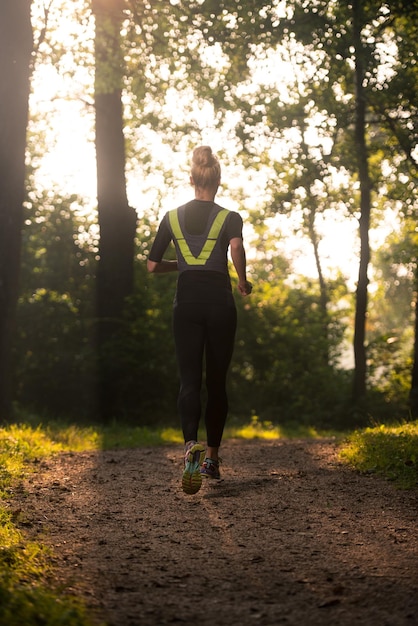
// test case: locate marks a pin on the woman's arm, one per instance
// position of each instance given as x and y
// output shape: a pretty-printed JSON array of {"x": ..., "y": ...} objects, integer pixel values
[
  {"x": 158, "y": 248},
  {"x": 240, "y": 263},
  {"x": 162, "y": 267}
]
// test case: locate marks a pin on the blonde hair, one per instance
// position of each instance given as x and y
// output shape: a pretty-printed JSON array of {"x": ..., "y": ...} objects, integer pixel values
[{"x": 206, "y": 170}]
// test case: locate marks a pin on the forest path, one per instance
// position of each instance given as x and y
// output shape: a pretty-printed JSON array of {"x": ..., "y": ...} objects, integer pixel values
[{"x": 289, "y": 536}]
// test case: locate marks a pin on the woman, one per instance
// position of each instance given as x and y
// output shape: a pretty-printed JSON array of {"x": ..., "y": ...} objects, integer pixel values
[{"x": 204, "y": 315}]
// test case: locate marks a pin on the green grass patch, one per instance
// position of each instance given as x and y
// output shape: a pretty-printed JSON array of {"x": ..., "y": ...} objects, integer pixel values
[
  {"x": 64, "y": 437},
  {"x": 390, "y": 451},
  {"x": 266, "y": 430},
  {"x": 57, "y": 436}
]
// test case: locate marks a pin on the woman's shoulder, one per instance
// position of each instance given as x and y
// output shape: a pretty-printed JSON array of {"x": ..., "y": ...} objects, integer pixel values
[
  {"x": 233, "y": 223},
  {"x": 234, "y": 218},
  {"x": 232, "y": 214}
]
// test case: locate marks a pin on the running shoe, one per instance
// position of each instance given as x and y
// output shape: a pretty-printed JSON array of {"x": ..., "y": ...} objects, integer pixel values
[
  {"x": 192, "y": 479},
  {"x": 210, "y": 469}
]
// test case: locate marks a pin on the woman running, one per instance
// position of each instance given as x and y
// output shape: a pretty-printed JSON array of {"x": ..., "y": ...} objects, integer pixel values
[{"x": 204, "y": 314}]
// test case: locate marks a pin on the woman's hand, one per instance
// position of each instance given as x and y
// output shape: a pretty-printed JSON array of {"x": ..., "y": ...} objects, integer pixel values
[{"x": 245, "y": 288}]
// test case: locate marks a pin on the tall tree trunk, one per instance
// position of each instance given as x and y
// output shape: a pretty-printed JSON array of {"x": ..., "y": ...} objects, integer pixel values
[
  {"x": 413, "y": 394},
  {"x": 360, "y": 357},
  {"x": 117, "y": 220},
  {"x": 16, "y": 43}
]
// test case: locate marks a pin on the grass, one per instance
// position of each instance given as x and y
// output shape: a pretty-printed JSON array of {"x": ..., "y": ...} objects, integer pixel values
[
  {"x": 266, "y": 430},
  {"x": 25, "y": 597},
  {"x": 390, "y": 451}
]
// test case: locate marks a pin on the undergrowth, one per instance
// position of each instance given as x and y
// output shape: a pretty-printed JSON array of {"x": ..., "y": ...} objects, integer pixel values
[{"x": 390, "y": 451}]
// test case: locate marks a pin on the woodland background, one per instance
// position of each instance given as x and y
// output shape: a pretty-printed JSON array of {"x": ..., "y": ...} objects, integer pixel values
[{"x": 85, "y": 333}]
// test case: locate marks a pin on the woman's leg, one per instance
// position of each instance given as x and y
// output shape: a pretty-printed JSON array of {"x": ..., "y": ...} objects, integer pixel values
[
  {"x": 189, "y": 338},
  {"x": 221, "y": 328}
]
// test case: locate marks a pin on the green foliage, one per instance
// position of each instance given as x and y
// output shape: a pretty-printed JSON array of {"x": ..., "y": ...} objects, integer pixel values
[
  {"x": 286, "y": 359},
  {"x": 285, "y": 365},
  {"x": 256, "y": 428},
  {"x": 282, "y": 368},
  {"x": 38, "y": 607},
  {"x": 140, "y": 358},
  {"x": 54, "y": 348},
  {"x": 391, "y": 314},
  {"x": 18, "y": 445},
  {"x": 391, "y": 451}
]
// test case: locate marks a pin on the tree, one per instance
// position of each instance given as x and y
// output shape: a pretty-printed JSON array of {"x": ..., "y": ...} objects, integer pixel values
[
  {"x": 16, "y": 45},
  {"x": 117, "y": 220},
  {"x": 398, "y": 113},
  {"x": 346, "y": 43},
  {"x": 359, "y": 21},
  {"x": 413, "y": 394},
  {"x": 199, "y": 52},
  {"x": 304, "y": 182}
]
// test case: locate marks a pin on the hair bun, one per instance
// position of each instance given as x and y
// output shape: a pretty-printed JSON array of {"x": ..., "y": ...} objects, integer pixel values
[
  {"x": 203, "y": 156},
  {"x": 206, "y": 170}
]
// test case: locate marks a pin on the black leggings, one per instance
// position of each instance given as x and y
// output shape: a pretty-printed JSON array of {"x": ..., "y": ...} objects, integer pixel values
[{"x": 202, "y": 328}]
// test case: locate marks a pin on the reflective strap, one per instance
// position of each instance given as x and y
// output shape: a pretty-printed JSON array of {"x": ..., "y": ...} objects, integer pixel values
[{"x": 209, "y": 244}]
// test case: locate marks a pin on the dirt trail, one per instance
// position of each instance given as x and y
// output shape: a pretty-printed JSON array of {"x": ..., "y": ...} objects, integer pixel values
[{"x": 289, "y": 536}]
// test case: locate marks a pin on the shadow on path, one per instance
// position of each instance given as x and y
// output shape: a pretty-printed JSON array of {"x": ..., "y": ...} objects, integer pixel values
[{"x": 289, "y": 536}]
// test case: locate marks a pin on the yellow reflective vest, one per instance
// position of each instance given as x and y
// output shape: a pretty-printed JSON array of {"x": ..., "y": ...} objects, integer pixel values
[{"x": 208, "y": 245}]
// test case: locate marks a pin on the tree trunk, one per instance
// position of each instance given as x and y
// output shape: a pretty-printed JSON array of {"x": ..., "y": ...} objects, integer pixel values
[
  {"x": 413, "y": 394},
  {"x": 117, "y": 220},
  {"x": 323, "y": 290},
  {"x": 16, "y": 43},
  {"x": 360, "y": 357}
]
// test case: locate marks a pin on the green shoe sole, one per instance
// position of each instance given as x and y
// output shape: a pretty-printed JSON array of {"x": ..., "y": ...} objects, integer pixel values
[{"x": 191, "y": 480}]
